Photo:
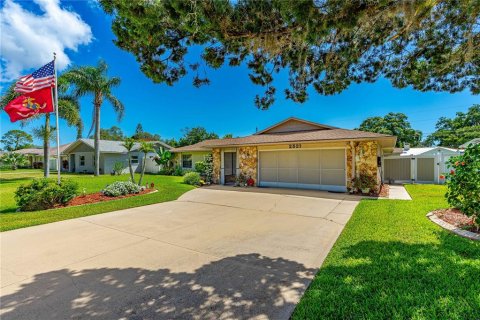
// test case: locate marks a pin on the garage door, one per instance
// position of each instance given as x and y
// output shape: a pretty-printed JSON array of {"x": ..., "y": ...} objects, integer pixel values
[
  {"x": 397, "y": 169},
  {"x": 310, "y": 169}
]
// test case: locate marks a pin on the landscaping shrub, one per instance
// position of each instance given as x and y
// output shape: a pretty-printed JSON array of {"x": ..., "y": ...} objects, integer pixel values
[
  {"x": 178, "y": 171},
  {"x": 118, "y": 168},
  {"x": 43, "y": 194},
  {"x": 365, "y": 181},
  {"x": 166, "y": 171},
  {"x": 463, "y": 182},
  {"x": 200, "y": 167},
  {"x": 192, "y": 178},
  {"x": 121, "y": 188},
  {"x": 208, "y": 170}
]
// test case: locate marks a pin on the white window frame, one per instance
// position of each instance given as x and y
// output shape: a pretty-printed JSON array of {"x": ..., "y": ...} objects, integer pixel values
[
  {"x": 81, "y": 160},
  {"x": 135, "y": 160}
]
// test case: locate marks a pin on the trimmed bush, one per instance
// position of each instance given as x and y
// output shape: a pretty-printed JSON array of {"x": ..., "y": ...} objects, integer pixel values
[
  {"x": 463, "y": 183},
  {"x": 200, "y": 167},
  {"x": 192, "y": 178},
  {"x": 121, "y": 188},
  {"x": 43, "y": 194}
]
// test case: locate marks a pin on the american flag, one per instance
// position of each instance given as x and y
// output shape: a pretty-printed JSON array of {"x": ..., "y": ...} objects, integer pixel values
[{"x": 42, "y": 78}]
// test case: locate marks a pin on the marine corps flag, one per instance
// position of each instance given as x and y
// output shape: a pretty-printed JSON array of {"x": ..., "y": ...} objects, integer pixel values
[{"x": 30, "y": 104}]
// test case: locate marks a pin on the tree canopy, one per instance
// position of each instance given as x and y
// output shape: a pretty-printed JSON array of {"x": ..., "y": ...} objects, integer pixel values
[
  {"x": 324, "y": 44},
  {"x": 16, "y": 139},
  {"x": 114, "y": 133},
  {"x": 195, "y": 135},
  {"x": 458, "y": 130},
  {"x": 142, "y": 135},
  {"x": 396, "y": 124}
]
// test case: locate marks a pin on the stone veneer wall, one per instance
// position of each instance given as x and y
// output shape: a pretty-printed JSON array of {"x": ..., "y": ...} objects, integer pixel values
[
  {"x": 365, "y": 160},
  {"x": 248, "y": 162},
  {"x": 217, "y": 163}
]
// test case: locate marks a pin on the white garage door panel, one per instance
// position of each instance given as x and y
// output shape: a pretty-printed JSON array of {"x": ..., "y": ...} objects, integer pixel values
[{"x": 312, "y": 169}]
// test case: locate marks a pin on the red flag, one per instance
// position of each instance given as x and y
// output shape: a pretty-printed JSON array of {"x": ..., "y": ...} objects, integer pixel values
[{"x": 30, "y": 104}]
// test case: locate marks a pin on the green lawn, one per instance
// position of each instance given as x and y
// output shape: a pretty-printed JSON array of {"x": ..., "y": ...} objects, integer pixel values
[
  {"x": 169, "y": 188},
  {"x": 391, "y": 262}
]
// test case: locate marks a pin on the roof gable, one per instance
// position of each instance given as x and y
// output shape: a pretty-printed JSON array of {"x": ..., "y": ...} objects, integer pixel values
[{"x": 291, "y": 125}]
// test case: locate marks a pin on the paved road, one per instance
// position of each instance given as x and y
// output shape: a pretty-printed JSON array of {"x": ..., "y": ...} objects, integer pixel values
[{"x": 212, "y": 254}]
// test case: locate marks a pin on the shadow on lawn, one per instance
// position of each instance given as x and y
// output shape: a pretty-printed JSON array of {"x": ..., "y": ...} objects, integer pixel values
[
  {"x": 242, "y": 286},
  {"x": 397, "y": 280}
]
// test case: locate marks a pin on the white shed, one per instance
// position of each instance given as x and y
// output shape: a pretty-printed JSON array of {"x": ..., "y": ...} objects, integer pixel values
[{"x": 420, "y": 165}]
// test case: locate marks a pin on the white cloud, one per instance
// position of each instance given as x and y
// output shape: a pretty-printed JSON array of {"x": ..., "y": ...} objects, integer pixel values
[{"x": 28, "y": 40}]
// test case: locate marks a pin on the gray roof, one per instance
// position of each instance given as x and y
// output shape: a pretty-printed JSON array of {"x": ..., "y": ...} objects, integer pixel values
[
  {"x": 109, "y": 146},
  {"x": 473, "y": 141}
]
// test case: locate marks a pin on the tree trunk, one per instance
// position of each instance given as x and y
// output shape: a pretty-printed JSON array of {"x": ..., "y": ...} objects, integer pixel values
[
  {"x": 97, "y": 135},
  {"x": 46, "y": 147},
  {"x": 143, "y": 169},
  {"x": 132, "y": 176}
]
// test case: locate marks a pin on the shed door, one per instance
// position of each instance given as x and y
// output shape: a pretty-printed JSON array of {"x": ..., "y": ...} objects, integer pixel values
[
  {"x": 397, "y": 169},
  {"x": 425, "y": 169},
  {"x": 310, "y": 169}
]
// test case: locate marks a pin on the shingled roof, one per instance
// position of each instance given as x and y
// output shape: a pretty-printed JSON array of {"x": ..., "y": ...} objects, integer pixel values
[{"x": 324, "y": 133}]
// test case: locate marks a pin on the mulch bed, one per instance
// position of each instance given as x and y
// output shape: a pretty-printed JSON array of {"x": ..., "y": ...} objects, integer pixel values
[
  {"x": 99, "y": 197},
  {"x": 457, "y": 218}
]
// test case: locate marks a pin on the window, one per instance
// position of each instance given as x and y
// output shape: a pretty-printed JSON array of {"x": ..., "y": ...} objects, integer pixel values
[
  {"x": 187, "y": 161},
  {"x": 82, "y": 161},
  {"x": 134, "y": 159}
]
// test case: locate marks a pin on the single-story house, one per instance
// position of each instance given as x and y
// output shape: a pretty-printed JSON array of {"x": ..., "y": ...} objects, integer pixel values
[
  {"x": 293, "y": 153},
  {"x": 466, "y": 144},
  {"x": 81, "y": 156},
  {"x": 35, "y": 157},
  {"x": 421, "y": 165}
]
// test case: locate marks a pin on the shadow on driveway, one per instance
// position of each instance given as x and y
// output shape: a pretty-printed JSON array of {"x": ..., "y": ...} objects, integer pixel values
[{"x": 241, "y": 286}]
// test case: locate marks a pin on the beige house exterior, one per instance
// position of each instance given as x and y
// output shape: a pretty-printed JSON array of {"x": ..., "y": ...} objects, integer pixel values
[
  {"x": 294, "y": 153},
  {"x": 35, "y": 157}
]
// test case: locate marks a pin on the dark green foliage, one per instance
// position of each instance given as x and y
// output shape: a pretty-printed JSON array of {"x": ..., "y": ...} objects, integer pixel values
[
  {"x": 16, "y": 139},
  {"x": 208, "y": 168},
  {"x": 195, "y": 135},
  {"x": 114, "y": 133},
  {"x": 44, "y": 193},
  {"x": 463, "y": 183},
  {"x": 178, "y": 171},
  {"x": 396, "y": 124},
  {"x": 200, "y": 167},
  {"x": 142, "y": 135},
  {"x": 456, "y": 131},
  {"x": 327, "y": 45},
  {"x": 365, "y": 181}
]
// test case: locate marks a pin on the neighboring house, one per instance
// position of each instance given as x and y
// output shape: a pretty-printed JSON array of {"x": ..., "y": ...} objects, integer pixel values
[
  {"x": 81, "y": 156},
  {"x": 466, "y": 144},
  {"x": 294, "y": 153},
  {"x": 35, "y": 157},
  {"x": 421, "y": 165}
]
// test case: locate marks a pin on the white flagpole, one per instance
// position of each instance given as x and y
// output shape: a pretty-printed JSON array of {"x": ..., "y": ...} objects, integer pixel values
[{"x": 56, "y": 114}]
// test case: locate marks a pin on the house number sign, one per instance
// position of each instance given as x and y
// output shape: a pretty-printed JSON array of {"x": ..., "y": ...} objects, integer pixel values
[{"x": 295, "y": 146}]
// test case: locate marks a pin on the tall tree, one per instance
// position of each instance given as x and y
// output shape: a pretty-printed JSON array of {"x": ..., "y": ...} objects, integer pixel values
[
  {"x": 69, "y": 110},
  {"x": 114, "y": 133},
  {"x": 452, "y": 132},
  {"x": 195, "y": 135},
  {"x": 94, "y": 80},
  {"x": 142, "y": 135},
  {"x": 16, "y": 139},
  {"x": 324, "y": 44},
  {"x": 396, "y": 124}
]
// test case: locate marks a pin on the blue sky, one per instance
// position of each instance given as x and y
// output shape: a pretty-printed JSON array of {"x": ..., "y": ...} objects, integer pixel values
[{"x": 224, "y": 106}]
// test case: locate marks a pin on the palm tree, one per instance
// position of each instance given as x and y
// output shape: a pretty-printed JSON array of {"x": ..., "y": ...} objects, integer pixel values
[
  {"x": 14, "y": 159},
  {"x": 164, "y": 158},
  {"x": 95, "y": 81},
  {"x": 145, "y": 147},
  {"x": 129, "y": 143},
  {"x": 68, "y": 109}
]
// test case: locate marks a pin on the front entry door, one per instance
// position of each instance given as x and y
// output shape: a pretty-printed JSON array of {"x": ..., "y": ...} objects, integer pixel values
[{"x": 229, "y": 165}]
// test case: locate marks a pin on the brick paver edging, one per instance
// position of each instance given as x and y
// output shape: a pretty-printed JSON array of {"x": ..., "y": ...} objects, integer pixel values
[{"x": 452, "y": 228}]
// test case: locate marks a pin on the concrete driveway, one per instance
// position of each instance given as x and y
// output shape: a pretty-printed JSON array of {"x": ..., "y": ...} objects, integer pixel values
[{"x": 212, "y": 254}]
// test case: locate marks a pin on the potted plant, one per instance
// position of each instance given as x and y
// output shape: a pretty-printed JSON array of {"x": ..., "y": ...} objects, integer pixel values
[{"x": 365, "y": 183}]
